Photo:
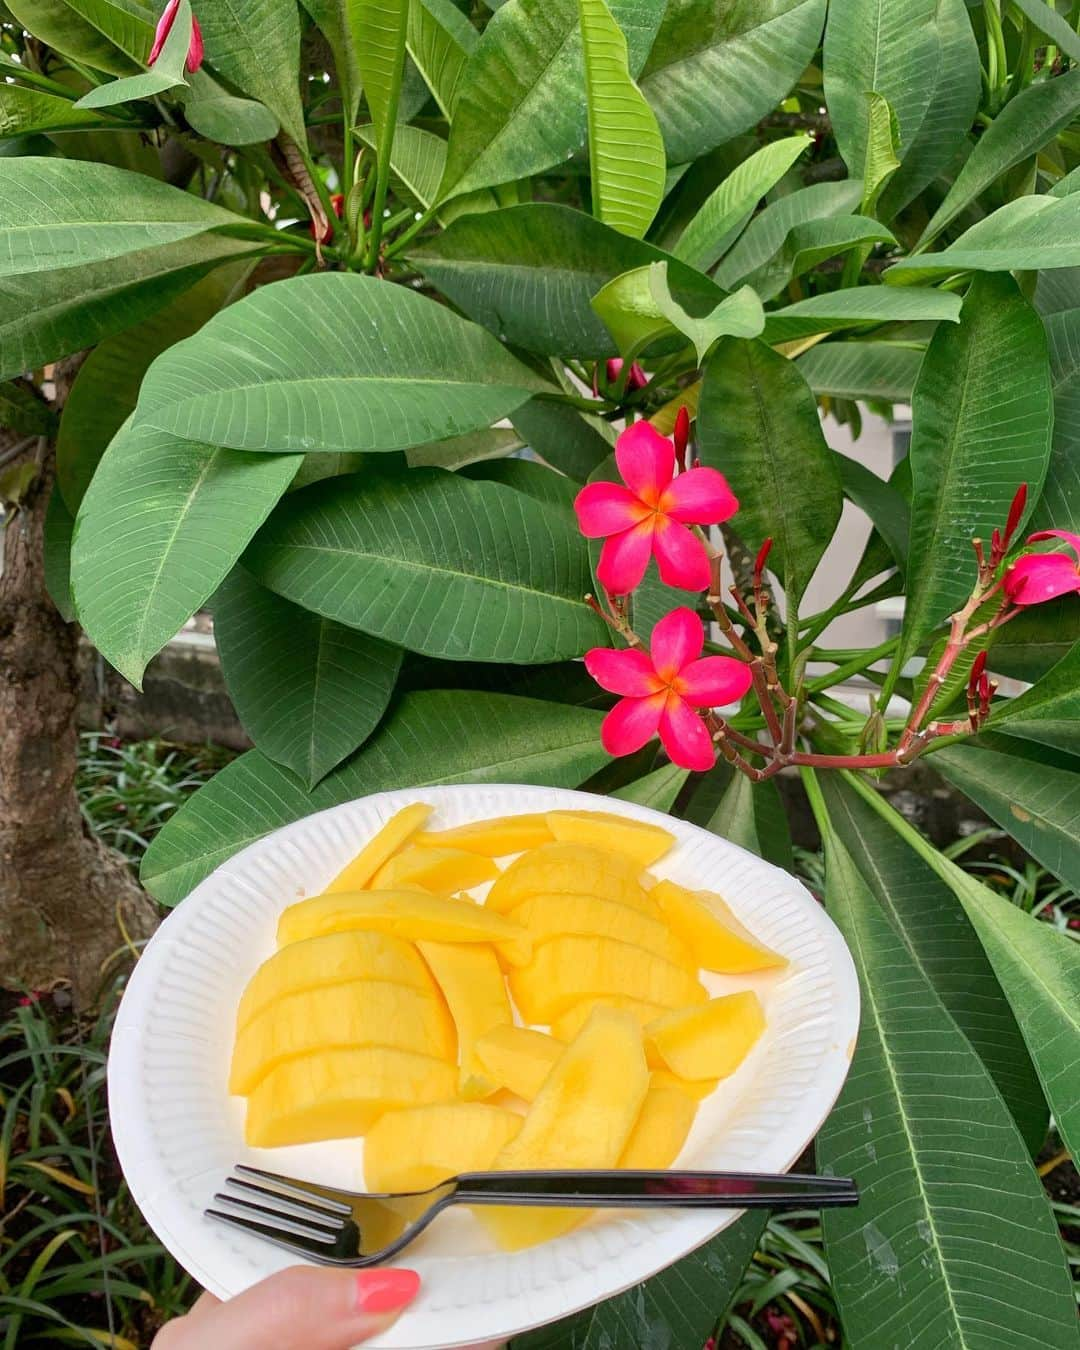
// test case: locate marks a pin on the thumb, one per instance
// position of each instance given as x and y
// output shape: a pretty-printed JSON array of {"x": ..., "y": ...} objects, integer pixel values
[{"x": 303, "y": 1308}]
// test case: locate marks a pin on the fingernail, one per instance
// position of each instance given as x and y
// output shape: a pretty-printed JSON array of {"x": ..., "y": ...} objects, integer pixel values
[{"x": 384, "y": 1291}]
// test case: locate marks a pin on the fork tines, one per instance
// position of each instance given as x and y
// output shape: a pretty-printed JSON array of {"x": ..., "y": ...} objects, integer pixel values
[{"x": 288, "y": 1213}]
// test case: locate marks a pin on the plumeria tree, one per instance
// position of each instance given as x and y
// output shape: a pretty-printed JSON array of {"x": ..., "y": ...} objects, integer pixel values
[{"x": 287, "y": 288}]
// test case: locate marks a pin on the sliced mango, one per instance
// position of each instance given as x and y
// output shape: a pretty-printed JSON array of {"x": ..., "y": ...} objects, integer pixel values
[
  {"x": 441, "y": 870},
  {"x": 698, "y": 1088},
  {"x": 472, "y": 983},
  {"x": 333, "y": 959},
  {"x": 582, "y": 1117},
  {"x": 405, "y": 914},
  {"x": 416, "y": 1149},
  {"x": 492, "y": 838},
  {"x": 568, "y": 1024},
  {"x": 710, "y": 1040},
  {"x": 549, "y": 916},
  {"x": 630, "y": 838},
  {"x": 518, "y": 1058},
  {"x": 708, "y": 927},
  {"x": 365, "y": 1012},
  {"x": 338, "y": 1094},
  {"x": 385, "y": 844},
  {"x": 571, "y": 869},
  {"x": 569, "y": 969},
  {"x": 662, "y": 1126}
]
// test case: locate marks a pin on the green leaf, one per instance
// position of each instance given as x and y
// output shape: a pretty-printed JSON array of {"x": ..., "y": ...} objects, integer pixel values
[
  {"x": 754, "y": 52},
  {"x": 56, "y": 554},
  {"x": 1037, "y": 639},
  {"x": 981, "y": 418},
  {"x": 717, "y": 223},
  {"x": 24, "y": 112},
  {"x": 379, "y": 27},
  {"x": 859, "y": 305},
  {"x": 417, "y": 161},
  {"x": 1051, "y": 24},
  {"x": 337, "y": 21},
  {"x": 159, "y": 528},
  {"x": 440, "y": 40},
  {"x": 129, "y": 24},
  {"x": 758, "y": 423},
  {"x": 739, "y": 315},
  {"x": 389, "y": 555},
  {"x": 535, "y": 480},
  {"x": 521, "y": 104},
  {"x": 639, "y": 320},
  {"x": 626, "y": 153},
  {"x": 457, "y": 451},
  {"x": 255, "y": 46},
  {"x": 882, "y": 371},
  {"x": 24, "y": 412},
  {"x": 58, "y": 24},
  {"x": 529, "y": 273},
  {"x": 572, "y": 442},
  {"x": 658, "y": 789},
  {"x": 430, "y": 737},
  {"x": 169, "y": 70},
  {"x": 808, "y": 245},
  {"x": 307, "y": 690},
  {"x": 1022, "y": 128},
  {"x": 883, "y": 503},
  {"x": 84, "y": 213},
  {"x": 766, "y": 234},
  {"x": 880, "y": 161},
  {"x": 944, "y": 947},
  {"x": 1050, "y": 711},
  {"x": 1059, "y": 506},
  {"x": 354, "y": 365},
  {"x": 953, "y": 1242},
  {"x": 220, "y": 116}
]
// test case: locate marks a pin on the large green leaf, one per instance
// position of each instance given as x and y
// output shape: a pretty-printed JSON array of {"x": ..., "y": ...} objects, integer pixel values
[
  {"x": 169, "y": 72},
  {"x": 753, "y": 52},
  {"x": 726, "y": 210},
  {"x": 333, "y": 362},
  {"x": 944, "y": 947},
  {"x": 529, "y": 273},
  {"x": 766, "y": 234},
  {"x": 640, "y": 317},
  {"x": 380, "y": 54},
  {"x": 981, "y": 418},
  {"x": 457, "y": 451},
  {"x": 24, "y": 412},
  {"x": 953, "y": 1243},
  {"x": 433, "y": 736},
  {"x": 1050, "y": 23},
  {"x": 440, "y": 39},
  {"x": 740, "y": 315},
  {"x": 1030, "y": 645},
  {"x": 307, "y": 690},
  {"x": 571, "y": 442},
  {"x": 128, "y": 24},
  {"x": 883, "y": 371},
  {"x": 255, "y": 45},
  {"x": 1059, "y": 506},
  {"x": 59, "y": 213},
  {"x": 626, "y": 153},
  {"x": 860, "y": 305},
  {"x": 437, "y": 563},
  {"x": 23, "y": 112},
  {"x": 810, "y": 244},
  {"x": 1022, "y": 128},
  {"x": 657, "y": 790},
  {"x": 758, "y": 423},
  {"x": 523, "y": 475},
  {"x": 706, "y": 807},
  {"x": 58, "y": 25},
  {"x": 220, "y": 116},
  {"x": 882, "y": 502},
  {"x": 159, "y": 528},
  {"x": 1050, "y": 711}
]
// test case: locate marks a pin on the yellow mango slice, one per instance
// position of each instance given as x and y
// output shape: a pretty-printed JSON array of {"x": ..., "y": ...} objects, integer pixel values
[
  {"x": 416, "y": 1149},
  {"x": 549, "y": 916},
  {"x": 518, "y": 1058},
  {"x": 405, "y": 914},
  {"x": 492, "y": 838},
  {"x": 582, "y": 1117},
  {"x": 367, "y": 1012},
  {"x": 385, "y": 844},
  {"x": 338, "y": 1094},
  {"x": 630, "y": 838},
  {"x": 334, "y": 959},
  {"x": 568, "y": 1024},
  {"x": 567, "y": 970},
  {"x": 662, "y": 1127},
  {"x": 708, "y": 927},
  {"x": 472, "y": 984},
  {"x": 698, "y": 1088},
  {"x": 570, "y": 869},
  {"x": 710, "y": 1040},
  {"x": 442, "y": 870}
]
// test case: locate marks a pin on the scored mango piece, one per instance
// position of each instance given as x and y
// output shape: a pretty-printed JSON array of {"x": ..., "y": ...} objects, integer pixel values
[
  {"x": 518, "y": 1058},
  {"x": 710, "y": 1040},
  {"x": 662, "y": 1126},
  {"x": 549, "y": 916},
  {"x": 415, "y": 1149},
  {"x": 472, "y": 983},
  {"x": 567, "y": 970},
  {"x": 706, "y": 924},
  {"x": 571, "y": 869},
  {"x": 568, "y": 1024},
  {"x": 411, "y": 915},
  {"x": 582, "y": 1117},
  {"x": 365, "y": 1012},
  {"x": 384, "y": 845},
  {"x": 442, "y": 870},
  {"x": 493, "y": 838},
  {"x": 338, "y": 1094},
  {"x": 630, "y": 838}
]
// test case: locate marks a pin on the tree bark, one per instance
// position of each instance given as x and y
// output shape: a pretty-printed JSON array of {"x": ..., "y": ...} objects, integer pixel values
[{"x": 63, "y": 894}]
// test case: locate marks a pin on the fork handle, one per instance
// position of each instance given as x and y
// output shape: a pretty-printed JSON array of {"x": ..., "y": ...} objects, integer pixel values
[{"x": 678, "y": 1190}]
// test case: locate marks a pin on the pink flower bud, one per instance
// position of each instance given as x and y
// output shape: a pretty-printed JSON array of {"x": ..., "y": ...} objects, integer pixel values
[
  {"x": 637, "y": 378},
  {"x": 164, "y": 28}
]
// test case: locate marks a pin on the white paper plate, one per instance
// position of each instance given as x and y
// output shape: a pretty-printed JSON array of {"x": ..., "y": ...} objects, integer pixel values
[{"x": 178, "y": 1131}]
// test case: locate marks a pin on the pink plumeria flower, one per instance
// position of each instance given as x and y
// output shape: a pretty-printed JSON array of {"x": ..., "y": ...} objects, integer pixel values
[
  {"x": 661, "y": 692},
  {"x": 1038, "y": 577},
  {"x": 164, "y": 28},
  {"x": 650, "y": 515}
]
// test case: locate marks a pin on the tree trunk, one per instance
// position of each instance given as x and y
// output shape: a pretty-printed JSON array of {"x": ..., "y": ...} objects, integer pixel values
[{"x": 62, "y": 893}]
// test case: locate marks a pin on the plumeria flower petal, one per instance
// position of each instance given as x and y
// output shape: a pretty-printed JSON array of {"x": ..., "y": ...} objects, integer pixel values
[
  {"x": 1038, "y": 577},
  {"x": 632, "y": 723},
  {"x": 646, "y": 461},
  {"x": 624, "y": 558},
  {"x": 699, "y": 497},
  {"x": 608, "y": 508},
  {"x": 626, "y": 672},
  {"x": 714, "y": 681},
  {"x": 680, "y": 557},
  {"x": 195, "y": 50},
  {"x": 685, "y": 737},
  {"x": 677, "y": 640},
  {"x": 1073, "y": 540}
]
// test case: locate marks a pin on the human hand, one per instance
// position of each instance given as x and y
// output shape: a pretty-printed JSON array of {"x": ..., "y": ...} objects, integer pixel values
[{"x": 302, "y": 1308}]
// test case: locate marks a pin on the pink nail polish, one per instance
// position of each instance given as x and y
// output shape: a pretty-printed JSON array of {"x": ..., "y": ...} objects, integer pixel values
[{"x": 385, "y": 1291}]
